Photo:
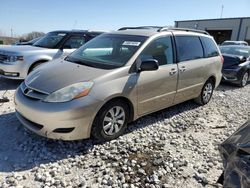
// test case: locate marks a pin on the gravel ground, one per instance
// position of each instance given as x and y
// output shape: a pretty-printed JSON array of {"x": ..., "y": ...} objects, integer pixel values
[{"x": 175, "y": 147}]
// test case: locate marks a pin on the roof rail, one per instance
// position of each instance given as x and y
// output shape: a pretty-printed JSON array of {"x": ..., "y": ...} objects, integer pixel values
[
  {"x": 140, "y": 27},
  {"x": 159, "y": 29},
  {"x": 97, "y": 31},
  {"x": 182, "y": 29}
]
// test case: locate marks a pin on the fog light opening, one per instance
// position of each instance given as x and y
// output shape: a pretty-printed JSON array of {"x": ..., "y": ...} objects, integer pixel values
[{"x": 64, "y": 130}]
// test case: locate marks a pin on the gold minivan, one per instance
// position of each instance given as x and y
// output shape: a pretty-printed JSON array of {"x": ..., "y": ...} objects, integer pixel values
[{"x": 116, "y": 78}]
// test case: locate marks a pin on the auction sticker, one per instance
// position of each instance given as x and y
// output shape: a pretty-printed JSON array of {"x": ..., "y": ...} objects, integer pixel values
[{"x": 131, "y": 43}]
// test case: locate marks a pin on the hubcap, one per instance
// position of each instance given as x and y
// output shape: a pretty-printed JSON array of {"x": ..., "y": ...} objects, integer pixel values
[
  {"x": 114, "y": 120},
  {"x": 245, "y": 79},
  {"x": 207, "y": 92}
]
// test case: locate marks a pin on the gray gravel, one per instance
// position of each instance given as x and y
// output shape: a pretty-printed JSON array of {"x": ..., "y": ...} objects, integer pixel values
[{"x": 176, "y": 147}]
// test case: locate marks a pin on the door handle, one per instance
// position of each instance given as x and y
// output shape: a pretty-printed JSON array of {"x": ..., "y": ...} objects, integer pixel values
[
  {"x": 172, "y": 72},
  {"x": 182, "y": 69}
]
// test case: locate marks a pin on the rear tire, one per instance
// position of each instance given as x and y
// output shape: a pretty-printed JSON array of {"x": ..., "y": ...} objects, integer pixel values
[
  {"x": 111, "y": 121},
  {"x": 206, "y": 93},
  {"x": 244, "y": 79}
]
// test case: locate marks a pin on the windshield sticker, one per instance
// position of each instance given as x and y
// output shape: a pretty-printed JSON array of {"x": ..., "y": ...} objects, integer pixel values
[
  {"x": 131, "y": 43},
  {"x": 61, "y": 34}
]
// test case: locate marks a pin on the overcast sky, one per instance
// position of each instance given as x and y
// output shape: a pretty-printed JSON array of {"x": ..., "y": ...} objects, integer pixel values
[{"x": 23, "y": 16}]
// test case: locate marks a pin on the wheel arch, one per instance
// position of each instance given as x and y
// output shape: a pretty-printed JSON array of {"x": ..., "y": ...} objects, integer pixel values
[
  {"x": 213, "y": 78},
  {"x": 35, "y": 63},
  {"x": 126, "y": 101}
]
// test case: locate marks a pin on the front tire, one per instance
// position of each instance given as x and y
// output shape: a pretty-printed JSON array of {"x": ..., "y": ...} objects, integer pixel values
[
  {"x": 206, "y": 93},
  {"x": 111, "y": 121},
  {"x": 244, "y": 79}
]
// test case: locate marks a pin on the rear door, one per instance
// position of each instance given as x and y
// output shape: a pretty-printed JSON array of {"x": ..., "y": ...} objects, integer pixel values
[
  {"x": 156, "y": 89},
  {"x": 191, "y": 67}
]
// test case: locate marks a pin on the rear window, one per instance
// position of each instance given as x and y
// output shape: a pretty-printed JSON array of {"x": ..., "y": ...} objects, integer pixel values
[
  {"x": 210, "y": 47},
  {"x": 188, "y": 48}
]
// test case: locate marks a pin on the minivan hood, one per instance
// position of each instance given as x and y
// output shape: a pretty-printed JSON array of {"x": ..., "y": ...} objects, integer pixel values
[
  {"x": 58, "y": 74},
  {"x": 6, "y": 50}
]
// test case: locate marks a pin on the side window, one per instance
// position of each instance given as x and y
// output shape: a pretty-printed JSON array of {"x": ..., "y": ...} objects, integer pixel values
[
  {"x": 209, "y": 47},
  {"x": 74, "y": 42},
  {"x": 188, "y": 48},
  {"x": 160, "y": 49}
]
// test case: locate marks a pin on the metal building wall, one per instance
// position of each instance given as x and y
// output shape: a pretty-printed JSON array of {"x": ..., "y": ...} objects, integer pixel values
[{"x": 240, "y": 26}]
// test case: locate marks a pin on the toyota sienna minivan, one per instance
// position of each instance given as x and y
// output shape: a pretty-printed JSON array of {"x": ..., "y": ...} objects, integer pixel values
[{"x": 116, "y": 78}]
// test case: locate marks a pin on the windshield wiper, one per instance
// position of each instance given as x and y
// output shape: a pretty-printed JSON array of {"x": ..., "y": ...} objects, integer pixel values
[
  {"x": 78, "y": 61},
  {"x": 38, "y": 46}
]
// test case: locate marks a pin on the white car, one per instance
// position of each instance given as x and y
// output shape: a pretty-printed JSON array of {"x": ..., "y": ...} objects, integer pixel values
[{"x": 16, "y": 62}]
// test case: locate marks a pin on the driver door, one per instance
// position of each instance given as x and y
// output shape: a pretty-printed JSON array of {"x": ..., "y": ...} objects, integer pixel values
[{"x": 157, "y": 89}]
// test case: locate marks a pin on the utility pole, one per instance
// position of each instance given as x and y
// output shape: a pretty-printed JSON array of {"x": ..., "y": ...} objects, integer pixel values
[
  {"x": 222, "y": 8},
  {"x": 11, "y": 32}
]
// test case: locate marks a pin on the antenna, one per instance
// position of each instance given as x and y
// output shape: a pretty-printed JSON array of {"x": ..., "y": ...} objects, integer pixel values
[{"x": 222, "y": 8}]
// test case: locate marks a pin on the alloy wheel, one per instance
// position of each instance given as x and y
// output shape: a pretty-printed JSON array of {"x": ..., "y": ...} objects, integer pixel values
[
  {"x": 114, "y": 120},
  {"x": 207, "y": 92},
  {"x": 244, "y": 79}
]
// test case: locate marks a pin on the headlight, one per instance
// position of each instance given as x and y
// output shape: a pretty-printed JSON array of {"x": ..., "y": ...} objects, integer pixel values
[
  {"x": 14, "y": 58},
  {"x": 70, "y": 92}
]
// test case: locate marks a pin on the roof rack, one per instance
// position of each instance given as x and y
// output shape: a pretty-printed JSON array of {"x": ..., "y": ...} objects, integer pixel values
[
  {"x": 140, "y": 27},
  {"x": 182, "y": 29},
  {"x": 160, "y": 29}
]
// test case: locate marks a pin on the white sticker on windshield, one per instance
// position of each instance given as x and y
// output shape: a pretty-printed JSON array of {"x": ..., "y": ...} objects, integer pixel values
[
  {"x": 61, "y": 34},
  {"x": 131, "y": 43}
]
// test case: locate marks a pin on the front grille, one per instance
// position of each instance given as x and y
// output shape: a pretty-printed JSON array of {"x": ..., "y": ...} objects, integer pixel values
[
  {"x": 32, "y": 93},
  {"x": 3, "y": 57}
]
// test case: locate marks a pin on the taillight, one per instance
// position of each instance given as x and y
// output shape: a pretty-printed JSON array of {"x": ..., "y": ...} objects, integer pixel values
[{"x": 222, "y": 59}]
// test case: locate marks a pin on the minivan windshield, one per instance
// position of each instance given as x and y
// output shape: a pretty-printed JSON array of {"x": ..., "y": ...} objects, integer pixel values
[
  {"x": 50, "y": 40},
  {"x": 107, "y": 51}
]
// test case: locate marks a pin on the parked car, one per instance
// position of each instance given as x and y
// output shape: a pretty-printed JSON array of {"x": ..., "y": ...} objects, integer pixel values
[
  {"x": 31, "y": 42},
  {"x": 16, "y": 62},
  {"x": 230, "y": 42},
  {"x": 235, "y": 153},
  {"x": 236, "y": 67},
  {"x": 116, "y": 78}
]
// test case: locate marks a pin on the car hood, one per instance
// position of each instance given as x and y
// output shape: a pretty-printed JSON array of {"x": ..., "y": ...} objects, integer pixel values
[
  {"x": 231, "y": 61},
  {"x": 6, "y": 50},
  {"x": 58, "y": 74}
]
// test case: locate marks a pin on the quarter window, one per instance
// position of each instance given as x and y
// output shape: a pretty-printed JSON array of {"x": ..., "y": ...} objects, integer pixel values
[
  {"x": 160, "y": 49},
  {"x": 210, "y": 47},
  {"x": 188, "y": 48}
]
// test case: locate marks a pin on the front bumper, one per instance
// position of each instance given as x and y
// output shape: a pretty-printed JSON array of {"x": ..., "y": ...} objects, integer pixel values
[
  {"x": 232, "y": 75},
  {"x": 66, "y": 121},
  {"x": 13, "y": 71}
]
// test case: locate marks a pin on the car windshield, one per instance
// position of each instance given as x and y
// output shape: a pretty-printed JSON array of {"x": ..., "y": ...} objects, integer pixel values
[
  {"x": 107, "y": 51},
  {"x": 236, "y": 50},
  {"x": 50, "y": 40}
]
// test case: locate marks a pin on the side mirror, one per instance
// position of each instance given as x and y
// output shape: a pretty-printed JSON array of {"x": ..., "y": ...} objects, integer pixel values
[{"x": 148, "y": 65}]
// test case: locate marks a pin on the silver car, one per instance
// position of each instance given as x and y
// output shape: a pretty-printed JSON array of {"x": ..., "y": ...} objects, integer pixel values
[
  {"x": 17, "y": 61},
  {"x": 116, "y": 78}
]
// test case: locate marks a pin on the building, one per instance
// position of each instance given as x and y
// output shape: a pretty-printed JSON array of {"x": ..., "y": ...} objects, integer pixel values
[{"x": 221, "y": 29}]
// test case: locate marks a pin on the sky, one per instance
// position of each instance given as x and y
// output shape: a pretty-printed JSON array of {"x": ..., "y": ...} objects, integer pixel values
[{"x": 24, "y": 16}]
